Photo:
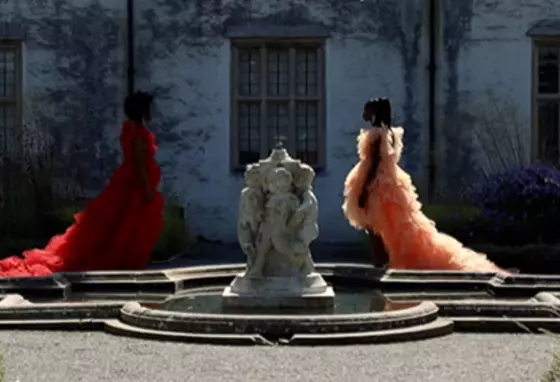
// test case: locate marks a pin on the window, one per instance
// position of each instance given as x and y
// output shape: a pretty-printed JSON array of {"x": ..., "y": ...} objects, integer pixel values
[
  {"x": 277, "y": 96},
  {"x": 546, "y": 102},
  {"x": 10, "y": 93}
]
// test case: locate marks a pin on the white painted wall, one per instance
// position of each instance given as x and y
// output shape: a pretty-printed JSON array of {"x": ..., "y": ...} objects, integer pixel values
[
  {"x": 495, "y": 68},
  {"x": 203, "y": 85},
  {"x": 496, "y": 55}
]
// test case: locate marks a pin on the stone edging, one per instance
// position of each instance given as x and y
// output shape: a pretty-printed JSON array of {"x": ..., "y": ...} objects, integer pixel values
[{"x": 519, "y": 303}]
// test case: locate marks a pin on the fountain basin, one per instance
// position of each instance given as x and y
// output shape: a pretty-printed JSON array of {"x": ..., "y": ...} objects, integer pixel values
[
  {"x": 390, "y": 323},
  {"x": 355, "y": 315}
]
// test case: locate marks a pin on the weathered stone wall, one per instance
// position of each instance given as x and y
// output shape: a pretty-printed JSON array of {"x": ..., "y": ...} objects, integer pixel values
[
  {"x": 375, "y": 49},
  {"x": 75, "y": 80},
  {"x": 74, "y": 67}
]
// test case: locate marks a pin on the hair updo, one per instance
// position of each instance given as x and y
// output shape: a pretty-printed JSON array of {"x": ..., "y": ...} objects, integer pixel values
[
  {"x": 381, "y": 110},
  {"x": 137, "y": 106}
]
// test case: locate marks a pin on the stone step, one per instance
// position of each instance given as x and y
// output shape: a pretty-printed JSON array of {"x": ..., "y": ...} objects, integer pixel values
[
  {"x": 438, "y": 327},
  {"x": 117, "y": 327},
  {"x": 53, "y": 324}
]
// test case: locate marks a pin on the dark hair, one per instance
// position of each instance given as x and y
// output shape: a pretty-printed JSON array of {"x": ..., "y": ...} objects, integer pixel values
[
  {"x": 381, "y": 109},
  {"x": 137, "y": 105}
]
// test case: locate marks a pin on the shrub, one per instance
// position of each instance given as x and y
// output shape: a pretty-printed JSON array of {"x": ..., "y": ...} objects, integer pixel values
[
  {"x": 31, "y": 193},
  {"x": 459, "y": 221},
  {"x": 439, "y": 212},
  {"x": 453, "y": 219},
  {"x": 521, "y": 205},
  {"x": 175, "y": 238},
  {"x": 500, "y": 132}
]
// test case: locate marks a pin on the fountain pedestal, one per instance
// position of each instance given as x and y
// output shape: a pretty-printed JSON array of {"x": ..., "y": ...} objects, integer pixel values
[
  {"x": 277, "y": 222},
  {"x": 310, "y": 292}
]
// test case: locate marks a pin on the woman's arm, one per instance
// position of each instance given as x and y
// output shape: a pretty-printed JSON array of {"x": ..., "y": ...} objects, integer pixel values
[
  {"x": 140, "y": 150},
  {"x": 372, "y": 172}
]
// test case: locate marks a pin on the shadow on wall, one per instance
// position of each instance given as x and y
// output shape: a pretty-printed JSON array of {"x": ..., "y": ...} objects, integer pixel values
[
  {"x": 62, "y": 153},
  {"x": 85, "y": 98},
  {"x": 193, "y": 29},
  {"x": 493, "y": 137},
  {"x": 501, "y": 134}
]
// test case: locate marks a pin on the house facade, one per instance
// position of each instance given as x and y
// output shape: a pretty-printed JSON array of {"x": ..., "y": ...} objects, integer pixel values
[{"x": 474, "y": 83}]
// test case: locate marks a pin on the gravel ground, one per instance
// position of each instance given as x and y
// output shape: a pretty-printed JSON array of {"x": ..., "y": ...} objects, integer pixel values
[{"x": 96, "y": 357}]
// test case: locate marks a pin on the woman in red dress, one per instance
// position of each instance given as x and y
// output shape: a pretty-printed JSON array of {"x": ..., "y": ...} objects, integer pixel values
[{"x": 119, "y": 228}]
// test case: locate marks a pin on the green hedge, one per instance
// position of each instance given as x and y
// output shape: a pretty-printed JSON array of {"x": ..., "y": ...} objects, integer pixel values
[
  {"x": 531, "y": 258},
  {"x": 463, "y": 223},
  {"x": 175, "y": 237},
  {"x": 439, "y": 212}
]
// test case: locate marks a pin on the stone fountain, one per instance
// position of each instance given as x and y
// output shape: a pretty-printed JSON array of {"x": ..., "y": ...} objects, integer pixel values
[
  {"x": 279, "y": 295},
  {"x": 277, "y": 222}
]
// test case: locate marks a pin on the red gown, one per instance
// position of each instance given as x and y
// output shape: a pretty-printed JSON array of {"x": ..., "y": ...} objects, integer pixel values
[{"x": 117, "y": 230}]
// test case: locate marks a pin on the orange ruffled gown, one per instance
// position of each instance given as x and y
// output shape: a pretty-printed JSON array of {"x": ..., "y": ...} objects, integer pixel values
[
  {"x": 394, "y": 212},
  {"x": 116, "y": 231}
]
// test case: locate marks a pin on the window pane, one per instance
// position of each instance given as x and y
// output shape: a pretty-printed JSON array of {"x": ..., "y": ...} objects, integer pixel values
[
  {"x": 248, "y": 123},
  {"x": 548, "y": 131},
  {"x": 7, "y": 74},
  {"x": 277, "y": 72},
  {"x": 306, "y": 72},
  {"x": 249, "y": 71},
  {"x": 307, "y": 126},
  {"x": 548, "y": 70},
  {"x": 9, "y": 130},
  {"x": 7, "y": 117},
  {"x": 277, "y": 123}
]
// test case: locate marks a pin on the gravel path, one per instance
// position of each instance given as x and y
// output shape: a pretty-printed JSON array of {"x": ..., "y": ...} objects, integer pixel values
[{"x": 96, "y": 357}]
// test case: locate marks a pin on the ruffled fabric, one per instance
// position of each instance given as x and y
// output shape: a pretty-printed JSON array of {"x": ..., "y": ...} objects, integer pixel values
[
  {"x": 117, "y": 230},
  {"x": 394, "y": 212}
]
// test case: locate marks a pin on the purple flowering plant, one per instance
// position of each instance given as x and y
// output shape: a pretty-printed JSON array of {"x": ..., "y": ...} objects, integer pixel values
[{"x": 521, "y": 205}]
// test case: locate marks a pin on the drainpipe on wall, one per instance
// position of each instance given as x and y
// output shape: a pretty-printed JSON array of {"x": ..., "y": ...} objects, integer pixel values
[
  {"x": 433, "y": 10},
  {"x": 130, "y": 45}
]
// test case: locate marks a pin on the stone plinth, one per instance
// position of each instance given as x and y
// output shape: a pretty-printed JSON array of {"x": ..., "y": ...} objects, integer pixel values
[
  {"x": 277, "y": 221},
  {"x": 307, "y": 293}
]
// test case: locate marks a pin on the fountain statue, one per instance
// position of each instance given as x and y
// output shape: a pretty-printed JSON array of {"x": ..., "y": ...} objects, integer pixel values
[{"x": 277, "y": 222}]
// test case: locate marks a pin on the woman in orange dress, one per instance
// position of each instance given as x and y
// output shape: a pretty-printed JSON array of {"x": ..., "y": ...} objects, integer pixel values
[
  {"x": 380, "y": 197},
  {"x": 119, "y": 228}
]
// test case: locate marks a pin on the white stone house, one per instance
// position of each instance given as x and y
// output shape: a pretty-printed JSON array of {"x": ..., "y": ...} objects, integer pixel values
[{"x": 233, "y": 77}]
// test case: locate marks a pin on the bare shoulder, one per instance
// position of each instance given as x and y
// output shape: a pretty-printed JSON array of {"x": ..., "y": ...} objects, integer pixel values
[
  {"x": 398, "y": 131},
  {"x": 369, "y": 134}
]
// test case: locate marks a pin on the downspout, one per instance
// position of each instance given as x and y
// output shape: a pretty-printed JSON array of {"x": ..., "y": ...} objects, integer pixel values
[
  {"x": 130, "y": 71},
  {"x": 432, "y": 67}
]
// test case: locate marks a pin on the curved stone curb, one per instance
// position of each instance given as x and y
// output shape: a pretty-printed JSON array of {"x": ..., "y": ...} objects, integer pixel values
[
  {"x": 437, "y": 328},
  {"x": 121, "y": 329},
  {"x": 136, "y": 315}
]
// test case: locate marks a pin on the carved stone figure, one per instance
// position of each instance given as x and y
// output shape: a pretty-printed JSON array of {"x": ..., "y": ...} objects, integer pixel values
[
  {"x": 251, "y": 214},
  {"x": 277, "y": 223},
  {"x": 305, "y": 219},
  {"x": 280, "y": 207}
]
